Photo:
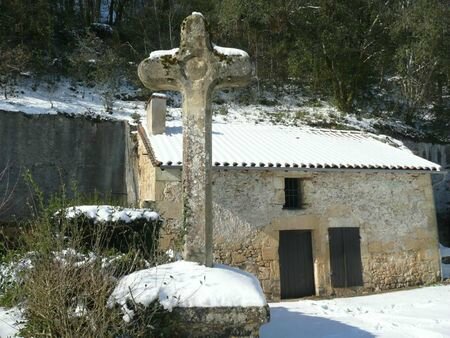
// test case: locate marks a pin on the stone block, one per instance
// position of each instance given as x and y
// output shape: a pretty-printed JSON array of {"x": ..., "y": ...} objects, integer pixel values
[
  {"x": 264, "y": 273},
  {"x": 279, "y": 197},
  {"x": 278, "y": 183},
  {"x": 252, "y": 268},
  {"x": 237, "y": 258},
  {"x": 275, "y": 270},
  {"x": 220, "y": 321},
  {"x": 269, "y": 253},
  {"x": 266, "y": 285}
]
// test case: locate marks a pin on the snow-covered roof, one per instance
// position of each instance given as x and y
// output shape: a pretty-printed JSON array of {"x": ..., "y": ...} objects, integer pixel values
[{"x": 255, "y": 146}]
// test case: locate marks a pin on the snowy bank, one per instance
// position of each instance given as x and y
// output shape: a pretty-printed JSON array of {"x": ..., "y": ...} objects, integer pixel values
[
  {"x": 65, "y": 97},
  {"x": 108, "y": 213},
  {"x": 188, "y": 284}
]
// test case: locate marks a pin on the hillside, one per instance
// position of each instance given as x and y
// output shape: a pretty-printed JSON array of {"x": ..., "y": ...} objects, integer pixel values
[
  {"x": 260, "y": 103},
  {"x": 384, "y": 66}
]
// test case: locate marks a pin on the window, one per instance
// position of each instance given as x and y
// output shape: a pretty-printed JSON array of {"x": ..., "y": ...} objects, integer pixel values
[{"x": 292, "y": 193}]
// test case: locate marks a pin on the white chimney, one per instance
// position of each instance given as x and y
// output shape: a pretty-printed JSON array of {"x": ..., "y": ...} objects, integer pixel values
[{"x": 156, "y": 114}]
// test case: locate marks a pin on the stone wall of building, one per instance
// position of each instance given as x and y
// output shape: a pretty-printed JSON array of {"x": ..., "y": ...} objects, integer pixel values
[{"x": 394, "y": 211}]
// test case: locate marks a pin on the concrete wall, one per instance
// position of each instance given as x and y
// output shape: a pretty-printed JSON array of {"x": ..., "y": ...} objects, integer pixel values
[
  {"x": 438, "y": 153},
  {"x": 97, "y": 155}
]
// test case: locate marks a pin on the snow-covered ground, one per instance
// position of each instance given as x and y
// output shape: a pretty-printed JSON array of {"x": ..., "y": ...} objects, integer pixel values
[
  {"x": 10, "y": 322},
  {"x": 421, "y": 313},
  {"x": 286, "y": 105},
  {"x": 69, "y": 98}
]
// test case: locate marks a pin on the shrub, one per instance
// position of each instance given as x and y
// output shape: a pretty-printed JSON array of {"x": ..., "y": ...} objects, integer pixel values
[
  {"x": 76, "y": 263},
  {"x": 72, "y": 267}
]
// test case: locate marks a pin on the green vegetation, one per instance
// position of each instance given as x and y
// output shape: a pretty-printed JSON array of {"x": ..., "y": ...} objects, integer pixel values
[
  {"x": 341, "y": 49},
  {"x": 63, "y": 270}
]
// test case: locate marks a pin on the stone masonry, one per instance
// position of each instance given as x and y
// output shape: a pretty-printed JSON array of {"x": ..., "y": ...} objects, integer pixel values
[{"x": 394, "y": 211}]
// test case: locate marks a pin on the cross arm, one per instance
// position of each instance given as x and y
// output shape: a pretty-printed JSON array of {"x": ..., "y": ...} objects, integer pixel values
[
  {"x": 161, "y": 71},
  {"x": 234, "y": 68}
]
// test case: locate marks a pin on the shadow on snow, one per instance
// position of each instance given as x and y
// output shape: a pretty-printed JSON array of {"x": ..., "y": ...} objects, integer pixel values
[{"x": 289, "y": 324}]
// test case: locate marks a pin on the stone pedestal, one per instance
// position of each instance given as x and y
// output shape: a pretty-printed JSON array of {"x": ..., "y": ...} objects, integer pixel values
[{"x": 221, "y": 321}]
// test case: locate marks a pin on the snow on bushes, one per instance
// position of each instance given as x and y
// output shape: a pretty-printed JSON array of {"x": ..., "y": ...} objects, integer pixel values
[
  {"x": 121, "y": 228},
  {"x": 108, "y": 213}
]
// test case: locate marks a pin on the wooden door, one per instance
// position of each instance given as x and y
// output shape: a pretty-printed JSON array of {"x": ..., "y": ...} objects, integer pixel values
[
  {"x": 345, "y": 257},
  {"x": 296, "y": 264}
]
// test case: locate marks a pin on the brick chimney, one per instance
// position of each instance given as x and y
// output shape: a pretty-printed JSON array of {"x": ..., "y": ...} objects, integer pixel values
[{"x": 156, "y": 114}]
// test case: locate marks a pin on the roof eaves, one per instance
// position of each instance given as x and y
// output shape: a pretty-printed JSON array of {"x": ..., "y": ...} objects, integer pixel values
[
  {"x": 151, "y": 154},
  {"x": 318, "y": 168}
]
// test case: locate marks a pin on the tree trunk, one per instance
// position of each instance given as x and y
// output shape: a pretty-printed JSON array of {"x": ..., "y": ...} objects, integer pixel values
[
  {"x": 111, "y": 12},
  {"x": 157, "y": 23}
]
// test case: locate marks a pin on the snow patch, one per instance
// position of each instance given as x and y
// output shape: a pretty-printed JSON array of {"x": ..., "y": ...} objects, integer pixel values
[
  {"x": 159, "y": 95},
  {"x": 108, "y": 213},
  {"x": 65, "y": 97},
  {"x": 11, "y": 321},
  {"x": 11, "y": 272},
  {"x": 188, "y": 284},
  {"x": 230, "y": 51},
  {"x": 161, "y": 53}
]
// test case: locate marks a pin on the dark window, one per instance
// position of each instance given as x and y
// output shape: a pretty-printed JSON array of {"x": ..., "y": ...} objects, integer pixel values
[{"x": 292, "y": 193}]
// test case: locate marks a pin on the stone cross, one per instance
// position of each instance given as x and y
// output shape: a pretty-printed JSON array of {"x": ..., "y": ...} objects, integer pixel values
[{"x": 196, "y": 69}]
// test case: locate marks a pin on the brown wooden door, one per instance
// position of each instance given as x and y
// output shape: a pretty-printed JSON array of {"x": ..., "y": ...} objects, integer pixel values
[
  {"x": 345, "y": 257},
  {"x": 296, "y": 264}
]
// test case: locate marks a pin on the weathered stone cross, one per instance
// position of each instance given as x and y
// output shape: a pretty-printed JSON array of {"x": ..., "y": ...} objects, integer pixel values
[{"x": 196, "y": 69}]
